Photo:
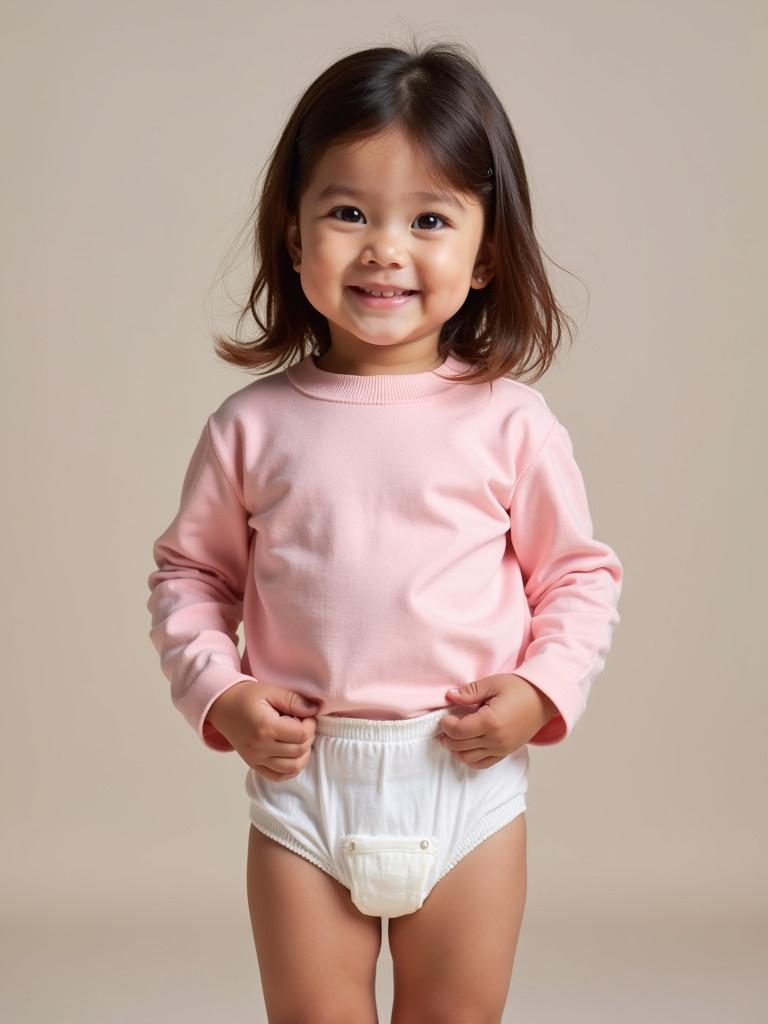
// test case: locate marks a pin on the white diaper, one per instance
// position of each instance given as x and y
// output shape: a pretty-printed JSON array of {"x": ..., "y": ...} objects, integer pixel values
[{"x": 386, "y": 809}]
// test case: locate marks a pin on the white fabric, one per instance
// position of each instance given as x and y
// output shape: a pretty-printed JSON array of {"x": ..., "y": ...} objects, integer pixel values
[{"x": 386, "y": 809}]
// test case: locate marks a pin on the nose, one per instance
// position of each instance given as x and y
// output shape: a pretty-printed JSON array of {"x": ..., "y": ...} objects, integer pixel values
[{"x": 385, "y": 247}]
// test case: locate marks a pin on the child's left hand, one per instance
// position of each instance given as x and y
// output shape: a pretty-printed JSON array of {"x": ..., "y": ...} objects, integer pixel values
[{"x": 513, "y": 710}]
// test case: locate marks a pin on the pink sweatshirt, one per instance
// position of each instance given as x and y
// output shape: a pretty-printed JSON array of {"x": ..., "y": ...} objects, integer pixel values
[{"x": 382, "y": 538}]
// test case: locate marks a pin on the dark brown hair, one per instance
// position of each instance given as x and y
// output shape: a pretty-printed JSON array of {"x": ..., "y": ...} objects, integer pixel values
[{"x": 443, "y": 102}]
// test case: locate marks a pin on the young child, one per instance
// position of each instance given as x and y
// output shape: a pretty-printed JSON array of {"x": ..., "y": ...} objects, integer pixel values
[{"x": 391, "y": 514}]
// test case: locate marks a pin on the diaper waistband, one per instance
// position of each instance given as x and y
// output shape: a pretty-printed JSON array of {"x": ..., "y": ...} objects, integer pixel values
[{"x": 383, "y": 729}]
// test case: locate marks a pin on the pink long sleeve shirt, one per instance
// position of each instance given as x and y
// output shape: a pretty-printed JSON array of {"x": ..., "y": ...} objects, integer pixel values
[{"x": 382, "y": 538}]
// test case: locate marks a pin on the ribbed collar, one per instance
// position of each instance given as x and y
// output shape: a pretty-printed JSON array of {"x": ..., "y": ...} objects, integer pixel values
[{"x": 374, "y": 389}]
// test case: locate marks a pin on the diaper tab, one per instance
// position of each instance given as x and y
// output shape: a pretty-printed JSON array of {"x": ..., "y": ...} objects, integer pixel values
[{"x": 388, "y": 873}]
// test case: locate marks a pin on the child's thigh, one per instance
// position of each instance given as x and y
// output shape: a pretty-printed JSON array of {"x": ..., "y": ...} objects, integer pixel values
[
  {"x": 317, "y": 953},
  {"x": 453, "y": 957}
]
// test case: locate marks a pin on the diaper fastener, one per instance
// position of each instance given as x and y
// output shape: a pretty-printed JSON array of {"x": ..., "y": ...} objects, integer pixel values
[
  {"x": 389, "y": 875},
  {"x": 373, "y": 843}
]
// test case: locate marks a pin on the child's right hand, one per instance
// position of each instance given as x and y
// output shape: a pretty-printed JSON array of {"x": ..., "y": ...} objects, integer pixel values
[{"x": 271, "y": 728}]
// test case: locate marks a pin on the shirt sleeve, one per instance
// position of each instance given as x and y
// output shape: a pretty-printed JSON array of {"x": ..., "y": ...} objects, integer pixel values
[
  {"x": 196, "y": 591},
  {"x": 572, "y": 582}
]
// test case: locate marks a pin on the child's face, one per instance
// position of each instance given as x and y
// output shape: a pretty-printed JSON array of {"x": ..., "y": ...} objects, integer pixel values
[{"x": 384, "y": 236}]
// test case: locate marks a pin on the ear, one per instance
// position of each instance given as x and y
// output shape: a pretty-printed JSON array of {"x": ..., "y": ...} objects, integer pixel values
[
  {"x": 484, "y": 264},
  {"x": 293, "y": 242}
]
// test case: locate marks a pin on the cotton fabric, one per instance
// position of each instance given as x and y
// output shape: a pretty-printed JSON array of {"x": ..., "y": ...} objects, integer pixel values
[{"x": 382, "y": 538}]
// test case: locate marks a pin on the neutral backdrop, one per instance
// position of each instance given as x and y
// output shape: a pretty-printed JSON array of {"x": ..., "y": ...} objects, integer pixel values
[{"x": 133, "y": 137}]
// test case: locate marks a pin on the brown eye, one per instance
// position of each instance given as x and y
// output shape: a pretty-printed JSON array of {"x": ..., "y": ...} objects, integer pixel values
[
  {"x": 354, "y": 209},
  {"x": 337, "y": 209},
  {"x": 433, "y": 216}
]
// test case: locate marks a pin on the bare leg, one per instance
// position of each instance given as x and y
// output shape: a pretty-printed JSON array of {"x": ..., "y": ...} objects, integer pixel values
[
  {"x": 317, "y": 953},
  {"x": 453, "y": 957}
]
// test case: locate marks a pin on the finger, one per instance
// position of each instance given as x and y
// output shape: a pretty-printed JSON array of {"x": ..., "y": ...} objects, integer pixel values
[
  {"x": 467, "y": 728},
  {"x": 474, "y": 743},
  {"x": 281, "y": 776},
  {"x": 472, "y": 757},
  {"x": 285, "y": 765},
  {"x": 285, "y": 750},
  {"x": 291, "y": 730},
  {"x": 477, "y": 757},
  {"x": 486, "y": 762}
]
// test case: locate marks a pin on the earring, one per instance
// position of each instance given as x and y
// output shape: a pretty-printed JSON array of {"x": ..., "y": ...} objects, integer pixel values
[{"x": 479, "y": 277}]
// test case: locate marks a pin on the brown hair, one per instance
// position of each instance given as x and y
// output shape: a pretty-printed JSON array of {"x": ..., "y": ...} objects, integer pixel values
[{"x": 443, "y": 102}]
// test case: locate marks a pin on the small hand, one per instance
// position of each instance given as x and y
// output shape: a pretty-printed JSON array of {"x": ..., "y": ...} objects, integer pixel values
[
  {"x": 513, "y": 710},
  {"x": 272, "y": 728}
]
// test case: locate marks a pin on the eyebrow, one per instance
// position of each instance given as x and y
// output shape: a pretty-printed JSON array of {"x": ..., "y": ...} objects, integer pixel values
[{"x": 340, "y": 189}]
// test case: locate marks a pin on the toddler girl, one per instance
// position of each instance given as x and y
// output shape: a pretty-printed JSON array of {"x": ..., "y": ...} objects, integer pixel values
[{"x": 400, "y": 525}]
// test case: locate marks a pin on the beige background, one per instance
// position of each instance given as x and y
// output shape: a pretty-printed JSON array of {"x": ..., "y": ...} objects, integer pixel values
[{"x": 133, "y": 137}]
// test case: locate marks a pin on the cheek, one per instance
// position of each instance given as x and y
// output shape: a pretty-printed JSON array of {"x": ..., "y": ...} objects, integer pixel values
[
  {"x": 315, "y": 265},
  {"x": 326, "y": 261},
  {"x": 328, "y": 249},
  {"x": 315, "y": 288},
  {"x": 447, "y": 268}
]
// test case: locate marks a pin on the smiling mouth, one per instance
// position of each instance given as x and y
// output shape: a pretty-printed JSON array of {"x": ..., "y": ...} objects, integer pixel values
[
  {"x": 381, "y": 303},
  {"x": 397, "y": 295}
]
